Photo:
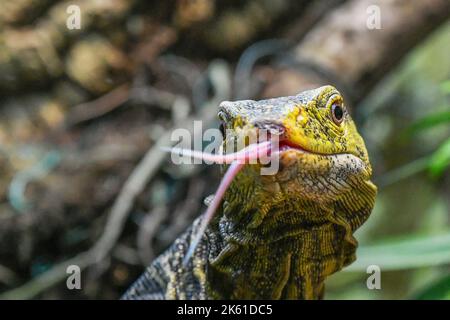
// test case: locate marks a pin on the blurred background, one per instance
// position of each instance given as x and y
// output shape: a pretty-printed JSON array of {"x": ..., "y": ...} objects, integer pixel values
[{"x": 84, "y": 109}]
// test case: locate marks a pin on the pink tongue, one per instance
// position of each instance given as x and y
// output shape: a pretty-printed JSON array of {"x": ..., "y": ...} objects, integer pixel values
[
  {"x": 232, "y": 171},
  {"x": 236, "y": 161},
  {"x": 252, "y": 152}
]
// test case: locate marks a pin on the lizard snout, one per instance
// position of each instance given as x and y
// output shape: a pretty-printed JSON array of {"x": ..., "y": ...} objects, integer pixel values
[{"x": 272, "y": 127}]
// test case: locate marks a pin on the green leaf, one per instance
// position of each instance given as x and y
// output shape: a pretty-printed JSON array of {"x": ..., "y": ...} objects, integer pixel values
[
  {"x": 439, "y": 290},
  {"x": 440, "y": 159},
  {"x": 406, "y": 253},
  {"x": 403, "y": 172},
  {"x": 429, "y": 121}
]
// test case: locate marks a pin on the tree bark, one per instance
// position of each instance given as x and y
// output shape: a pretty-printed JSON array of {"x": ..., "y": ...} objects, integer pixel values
[{"x": 343, "y": 51}]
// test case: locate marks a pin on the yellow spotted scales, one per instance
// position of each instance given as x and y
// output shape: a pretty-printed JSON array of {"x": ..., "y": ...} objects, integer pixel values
[{"x": 276, "y": 236}]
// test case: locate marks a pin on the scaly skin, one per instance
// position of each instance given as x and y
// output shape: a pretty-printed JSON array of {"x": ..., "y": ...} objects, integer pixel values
[{"x": 276, "y": 236}]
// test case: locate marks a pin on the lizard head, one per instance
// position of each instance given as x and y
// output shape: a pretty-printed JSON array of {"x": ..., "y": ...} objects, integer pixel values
[
  {"x": 321, "y": 153},
  {"x": 322, "y": 163}
]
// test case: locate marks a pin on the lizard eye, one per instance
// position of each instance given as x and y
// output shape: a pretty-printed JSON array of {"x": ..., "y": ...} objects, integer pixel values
[{"x": 337, "y": 113}]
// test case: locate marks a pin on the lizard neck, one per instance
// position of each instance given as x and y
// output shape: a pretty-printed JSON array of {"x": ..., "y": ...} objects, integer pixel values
[{"x": 270, "y": 246}]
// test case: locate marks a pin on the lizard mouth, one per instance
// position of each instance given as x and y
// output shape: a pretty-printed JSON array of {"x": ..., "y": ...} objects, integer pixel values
[{"x": 286, "y": 145}]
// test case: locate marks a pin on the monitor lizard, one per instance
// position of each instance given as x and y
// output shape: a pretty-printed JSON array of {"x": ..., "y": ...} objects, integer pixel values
[{"x": 276, "y": 236}]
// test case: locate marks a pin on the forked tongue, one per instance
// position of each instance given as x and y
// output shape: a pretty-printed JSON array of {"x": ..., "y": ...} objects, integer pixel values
[{"x": 236, "y": 161}]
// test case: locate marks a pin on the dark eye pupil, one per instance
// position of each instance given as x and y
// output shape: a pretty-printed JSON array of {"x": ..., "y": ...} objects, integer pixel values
[{"x": 338, "y": 112}]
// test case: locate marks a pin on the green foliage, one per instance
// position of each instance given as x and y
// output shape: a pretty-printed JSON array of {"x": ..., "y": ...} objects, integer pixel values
[
  {"x": 445, "y": 87},
  {"x": 439, "y": 290},
  {"x": 429, "y": 121},
  {"x": 405, "y": 253},
  {"x": 440, "y": 160}
]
